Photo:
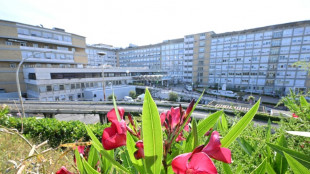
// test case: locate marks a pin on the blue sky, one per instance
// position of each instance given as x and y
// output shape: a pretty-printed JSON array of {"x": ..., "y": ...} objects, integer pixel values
[{"x": 142, "y": 22}]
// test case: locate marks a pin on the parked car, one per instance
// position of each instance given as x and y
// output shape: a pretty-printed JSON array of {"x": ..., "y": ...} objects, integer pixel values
[
  {"x": 128, "y": 99},
  {"x": 141, "y": 97},
  {"x": 188, "y": 87}
]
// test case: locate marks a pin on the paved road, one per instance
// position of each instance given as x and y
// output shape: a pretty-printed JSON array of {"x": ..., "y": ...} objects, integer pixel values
[{"x": 64, "y": 110}]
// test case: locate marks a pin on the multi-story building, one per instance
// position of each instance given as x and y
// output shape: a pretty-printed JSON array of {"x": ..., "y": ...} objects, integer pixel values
[
  {"x": 39, "y": 47},
  {"x": 96, "y": 59},
  {"x": 167, "y": 56},
  {"x": 261, "y": 59},
  {"x": 56, "y": 66}
]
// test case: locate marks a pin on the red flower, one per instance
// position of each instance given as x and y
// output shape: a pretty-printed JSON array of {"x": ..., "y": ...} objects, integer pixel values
[
  {"x": 194, "y": 162},
  {"x": 114, "y": 136},
  {"x": 295, "y": 116},
  {"x": 214, "y": 149},
  {"x": 140, "y": 152},
  {"x": 199, "y": 160},
  {"x": 63, "y": 170}
]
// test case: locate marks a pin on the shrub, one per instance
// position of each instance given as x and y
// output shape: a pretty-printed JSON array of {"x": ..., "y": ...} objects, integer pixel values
[
  {"x": 132, "y": 94},
  {"x": 56, "y": 132},
  {"x": 173, "y": 96},
  {"x": 111, "y": 97}
]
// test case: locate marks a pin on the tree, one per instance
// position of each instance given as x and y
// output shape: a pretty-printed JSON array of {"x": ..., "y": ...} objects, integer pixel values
[
  {"x": 173, "y": 96},
  {"x": 110, "y": 97},
  {"x": 132, "y": 94}
]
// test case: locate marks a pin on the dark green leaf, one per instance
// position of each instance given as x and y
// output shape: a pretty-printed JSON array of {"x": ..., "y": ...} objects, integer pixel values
[
  {"x": 93, "y": 157},
  {"x": 261, "y": 169},
  {"x": 295, "y": 165},
  {"x": 245, "y": 146},
  {"x": 303, "y": 159}
]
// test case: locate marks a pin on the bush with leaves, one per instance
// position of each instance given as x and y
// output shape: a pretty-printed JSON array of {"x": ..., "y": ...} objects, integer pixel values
[
  {"x": 173, "y": 96},
  {"x": 111, "y": 97},
  {"x": 132, "y": 94}
]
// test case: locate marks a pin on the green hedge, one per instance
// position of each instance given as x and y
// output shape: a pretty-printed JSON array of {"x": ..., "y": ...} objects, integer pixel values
[{"x": 56, "y": 132}]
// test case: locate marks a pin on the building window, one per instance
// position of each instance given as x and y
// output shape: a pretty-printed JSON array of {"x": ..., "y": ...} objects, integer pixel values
[
  {"x": 8, "y": 43},
  {"x": 48, "y": 88},
  {"x": 12, "y": 65},
  {"x": 32, "y": 76}
]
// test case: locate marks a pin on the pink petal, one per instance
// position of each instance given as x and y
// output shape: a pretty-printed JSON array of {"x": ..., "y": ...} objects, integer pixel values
[
  {"x": 190, "y": 107},
  {"x": 201, "y": 163},
  {"x": 63, "y": 170},
  {"x": 112, "y": 114},
  {"x": 179, "y": 163},
  {"x": 162, "y": 118},
  {"x": 214, "y": 149},
  {"x": 114, "y": 136},
  {"x": 81, "y": 149},
  {"x": 140, "y": 152},
  {"x": 180, "y": 138},
  {"x": 175, "y": 117}
]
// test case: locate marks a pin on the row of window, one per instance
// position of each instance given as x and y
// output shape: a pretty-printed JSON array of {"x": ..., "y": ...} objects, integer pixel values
[
  {"x": 259, "y": 36},
  {"x": 46, "y": 35}
]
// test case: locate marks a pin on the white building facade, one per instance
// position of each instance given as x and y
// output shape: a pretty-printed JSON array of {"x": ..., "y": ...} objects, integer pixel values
[{"x": 261, "y": 60}]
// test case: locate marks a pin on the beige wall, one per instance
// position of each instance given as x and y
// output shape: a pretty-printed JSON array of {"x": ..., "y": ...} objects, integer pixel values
[
  {"x": 8, "y": 80},
  {"x": 6, "y": 53},
  {"x": 10, "y": 30},
  {"x": 78, "y": 41}
]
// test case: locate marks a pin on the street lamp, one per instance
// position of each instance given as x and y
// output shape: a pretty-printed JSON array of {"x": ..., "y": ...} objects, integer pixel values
[
  {"x": 103, "y": 66},
  {"x": 17, "y": 80}
]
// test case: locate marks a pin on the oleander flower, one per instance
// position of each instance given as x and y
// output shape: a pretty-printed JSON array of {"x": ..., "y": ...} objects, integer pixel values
[
  {"x": 295, "y": 116},
  {"x": 63, "y": 170},
  {"x": 115, "y": 135},
  {"x": 199, "y": 160},
  {"x": 140, "y": 152}
]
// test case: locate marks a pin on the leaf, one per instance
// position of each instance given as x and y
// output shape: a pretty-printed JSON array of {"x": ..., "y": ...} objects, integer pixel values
[
  {"x": 131, "y": 150},
  {"x": 268, "y": 135},
  {"x": 303, "y": 159},
  {"x": 224, "y": 122},
  {"x": 245, "y": 146},
  {"x": 152, "y": 135},
  {"x": 303, "y": 102},
  {"x": 192, "y": 140},
  {"x": 79, "y": 161},
  {"x": 236, "y": 130},
  {"x": 88, "y": 168},
  {"x": 227, "y": 169},
  {"x": 102, "y": 151},
  {"x": 195, "y": 135},
  {"x": 261, "y": 168},
  {"x": 295, "y": 165},
  {"x": 115, "y": 107},
  {"x": 299, "y": 133},
  {"x": 280, "y": 161},
  {"x": 126, "y": 162},
  {"x": 269, "y": 169},
  {"x": 207, "y": 123},
  {"x": 93, "y": 157}
]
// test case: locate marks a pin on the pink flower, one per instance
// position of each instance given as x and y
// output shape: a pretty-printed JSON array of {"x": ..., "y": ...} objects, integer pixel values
[
  {"x": 214, "y": 149},
  {"x": 194, "y": 162},
  {"x": 114, "y": 136},
  {"x": 63, "y": 170},
  {"x": 295, "y": 116},
  {"x": 199, "y": 160},
  {"x": 140, "y": 152}
]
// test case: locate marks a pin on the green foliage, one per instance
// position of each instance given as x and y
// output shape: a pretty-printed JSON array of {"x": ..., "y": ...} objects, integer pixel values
[
  {"x": 297, "y": 104},
  {"x": 132, "y": 94},
  {"x": 173, "y": 96},
  {"x": 56, "y": 132},
  {"x": 110, "y": 98}
]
